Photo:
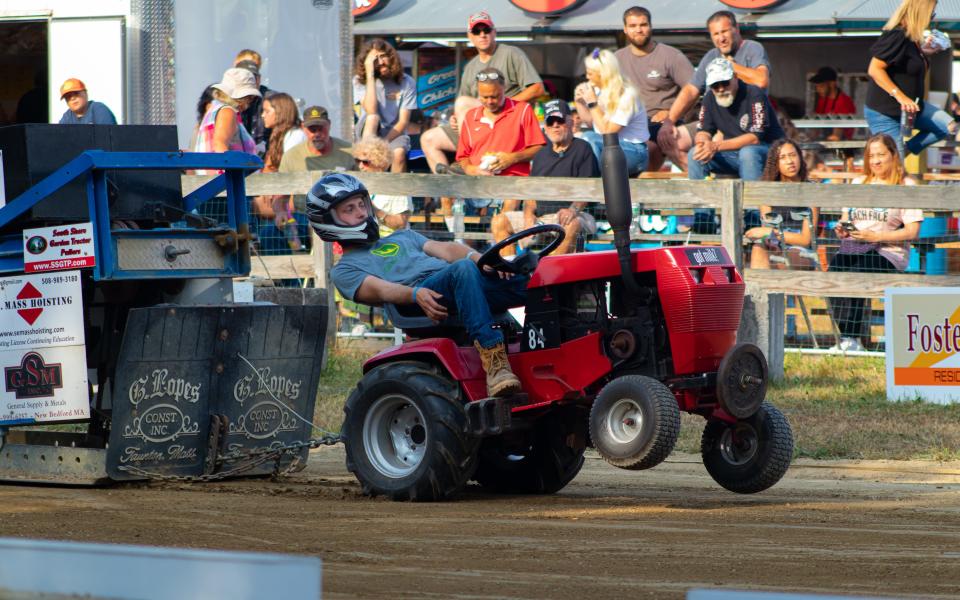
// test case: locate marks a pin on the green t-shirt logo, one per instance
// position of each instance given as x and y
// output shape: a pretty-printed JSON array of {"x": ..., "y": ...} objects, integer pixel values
[{"x": 386, "y": 250}]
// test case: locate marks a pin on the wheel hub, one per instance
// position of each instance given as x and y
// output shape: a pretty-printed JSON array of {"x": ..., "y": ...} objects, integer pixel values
[
  {"x": 739, "y": 445},
  {"x": 625, "y": 421},
  {"x": 394, "y": 436}
]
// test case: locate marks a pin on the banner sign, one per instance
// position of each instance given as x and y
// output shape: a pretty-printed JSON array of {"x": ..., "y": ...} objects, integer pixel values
[
  {"x": 437, "y": 79},
  {"x": 58, "y": 248},
  {"x": 444, "y": 76},
  {"x": 547, "y": 7},
  {"x": 42, "y": 351},
  {"x": 753, "y": 4},
  {"x": 365, "y": 8},
  {"x": 43, "y": 385},
  {"x": 922, "y": 328}
]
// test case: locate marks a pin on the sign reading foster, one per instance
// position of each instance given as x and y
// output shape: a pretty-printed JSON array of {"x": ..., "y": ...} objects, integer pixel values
[{"x": 923, "y": 343}]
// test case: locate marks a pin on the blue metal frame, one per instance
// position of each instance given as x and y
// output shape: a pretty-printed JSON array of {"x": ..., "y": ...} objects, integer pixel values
[{"x": 93, "y": 164}]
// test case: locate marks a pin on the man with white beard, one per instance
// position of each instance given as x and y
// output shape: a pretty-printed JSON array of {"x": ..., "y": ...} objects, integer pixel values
[
  {"x": 742, "y": 114},
  {"x": 737, "y": 126}
]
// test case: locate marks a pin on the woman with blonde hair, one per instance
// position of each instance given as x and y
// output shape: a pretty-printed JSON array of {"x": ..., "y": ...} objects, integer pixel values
[
  {"x": 615, "y": 107},
  {"x": 872, "y": 240},
  {"x": 898, "y": 68}
]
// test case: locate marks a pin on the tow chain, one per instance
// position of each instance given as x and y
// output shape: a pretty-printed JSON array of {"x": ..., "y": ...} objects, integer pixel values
[{"x": 253, "y": 458}]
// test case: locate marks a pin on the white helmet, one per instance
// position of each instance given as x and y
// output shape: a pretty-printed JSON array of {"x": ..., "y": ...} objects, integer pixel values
[{"x": 326, "y": 193}]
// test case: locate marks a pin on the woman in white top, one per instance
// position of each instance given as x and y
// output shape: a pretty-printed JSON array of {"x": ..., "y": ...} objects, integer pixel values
[
  {"x": 615, "y": 107},
  {"x": 872, "y": 240}
]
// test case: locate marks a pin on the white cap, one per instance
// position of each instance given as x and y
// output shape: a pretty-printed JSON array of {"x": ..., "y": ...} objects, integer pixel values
[
  {"x": 238, "y": 83},
  {"x": 719, "y": 69}
]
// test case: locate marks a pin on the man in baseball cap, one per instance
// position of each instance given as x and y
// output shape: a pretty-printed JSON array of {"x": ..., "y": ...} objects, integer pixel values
[
  {"x": 563, "y": 156},
  {"x": 80, "y": 109},
  {"x": 320, "y": 151},
  {"x": 742, "y": 113},
  {"x": 832, "y": 101},
  {"x": 522, "y": 83}
]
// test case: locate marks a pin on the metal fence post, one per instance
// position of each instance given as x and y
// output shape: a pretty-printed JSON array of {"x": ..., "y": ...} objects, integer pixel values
[
  {"x": 731, "y": 220},
  {"x": 322, "y": 263}
]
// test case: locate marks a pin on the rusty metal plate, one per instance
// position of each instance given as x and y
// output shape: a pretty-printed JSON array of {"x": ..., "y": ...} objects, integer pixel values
[{"x": 256, "y": 365}]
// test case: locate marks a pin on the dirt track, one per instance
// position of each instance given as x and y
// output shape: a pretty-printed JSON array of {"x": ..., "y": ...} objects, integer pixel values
[{"x": 856, "y": 528}]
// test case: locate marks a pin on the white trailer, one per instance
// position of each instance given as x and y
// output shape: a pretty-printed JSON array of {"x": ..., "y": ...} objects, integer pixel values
[{"x": 149, "y": 60}]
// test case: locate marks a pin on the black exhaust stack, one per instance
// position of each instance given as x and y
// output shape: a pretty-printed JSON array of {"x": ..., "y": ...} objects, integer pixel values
[{"x": 616, "y": 195}]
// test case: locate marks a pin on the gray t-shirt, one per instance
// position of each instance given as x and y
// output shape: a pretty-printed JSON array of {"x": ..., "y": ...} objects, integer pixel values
[
  {"x": 509, "y": 60},
  {"x": 750, "y": 54},
  {"x": 657, "y": 76},
  {"x": 391, "y": 98},
  {"x": 397, "y": 258}
]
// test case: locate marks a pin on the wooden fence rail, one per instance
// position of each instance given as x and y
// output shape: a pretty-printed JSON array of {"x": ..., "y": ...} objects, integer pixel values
[{"x": 728, "y": 196}]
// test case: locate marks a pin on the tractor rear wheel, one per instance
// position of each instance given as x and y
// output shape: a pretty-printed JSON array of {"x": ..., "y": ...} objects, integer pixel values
[
  {"x": 634, "y": 422},
  {"x": 406, "y": 435},
  {"x": 750, "y": 455},
  {"x": 539, "y": 461}
]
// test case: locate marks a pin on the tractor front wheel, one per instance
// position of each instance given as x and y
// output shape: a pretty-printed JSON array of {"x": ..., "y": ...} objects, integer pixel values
[
  {"x": 405, "y": 433},
  {"x": 750, "y": 455},
  {"x": 634, "y": 422}
]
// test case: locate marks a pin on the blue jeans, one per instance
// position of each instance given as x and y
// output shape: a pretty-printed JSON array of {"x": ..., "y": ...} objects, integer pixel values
[
  {"x": 747, "y": 163},
  {"x": 476, "y": 297},
  {"x": 931, "y": 125},
  {"x": 637, "y": 154}
]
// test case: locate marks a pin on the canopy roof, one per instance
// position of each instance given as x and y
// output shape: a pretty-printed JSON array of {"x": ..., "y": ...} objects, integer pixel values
[{"x": 449, "y": 17}]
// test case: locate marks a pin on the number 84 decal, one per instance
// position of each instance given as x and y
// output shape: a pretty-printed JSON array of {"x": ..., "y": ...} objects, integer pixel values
[{"x": 535, "y": 338}]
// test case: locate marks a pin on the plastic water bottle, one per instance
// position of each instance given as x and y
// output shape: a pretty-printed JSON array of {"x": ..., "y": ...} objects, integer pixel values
[
  {"x": 906, "y": 124},
  {"x": 291, "y": 234},
  {"x": 635, "y": 221}
]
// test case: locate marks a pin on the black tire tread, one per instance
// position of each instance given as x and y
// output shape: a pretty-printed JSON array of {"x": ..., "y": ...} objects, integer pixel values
[
  {"x": 551, "y": 467},
  {"x": 666, "y": 418},
  {"x": 762, "y": 476},
  {"x": 448, "y": 469}
]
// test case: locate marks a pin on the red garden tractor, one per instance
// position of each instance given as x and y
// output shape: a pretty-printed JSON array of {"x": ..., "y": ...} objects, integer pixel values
[{"x": 613, "y": 346}]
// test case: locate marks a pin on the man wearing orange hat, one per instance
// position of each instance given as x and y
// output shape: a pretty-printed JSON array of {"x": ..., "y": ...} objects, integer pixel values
[{"x": 80, "y": 109}]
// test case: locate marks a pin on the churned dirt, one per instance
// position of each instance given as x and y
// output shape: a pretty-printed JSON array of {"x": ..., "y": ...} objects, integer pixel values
[{"x": 869, "y": 528}]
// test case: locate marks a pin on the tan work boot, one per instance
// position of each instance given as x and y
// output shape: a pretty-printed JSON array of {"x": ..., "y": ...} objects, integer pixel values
[{"x": 500, "y": 379}]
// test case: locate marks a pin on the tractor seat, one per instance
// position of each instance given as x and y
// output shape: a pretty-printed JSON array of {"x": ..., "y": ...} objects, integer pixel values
[{"x": 411, "y": 319}]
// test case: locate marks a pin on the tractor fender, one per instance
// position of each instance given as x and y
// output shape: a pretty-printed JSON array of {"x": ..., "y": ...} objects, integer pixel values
[{"x": 461, "y": 363}]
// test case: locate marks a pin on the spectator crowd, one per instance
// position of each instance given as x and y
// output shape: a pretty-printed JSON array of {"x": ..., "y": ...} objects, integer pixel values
[{"x": 715, "y": 119}]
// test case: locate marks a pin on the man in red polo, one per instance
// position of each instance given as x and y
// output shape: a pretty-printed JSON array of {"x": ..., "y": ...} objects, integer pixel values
[{"x": 501, "y": 136}]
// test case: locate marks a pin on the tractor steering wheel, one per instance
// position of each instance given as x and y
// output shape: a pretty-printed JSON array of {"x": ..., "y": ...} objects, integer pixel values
[{"x": 525, "y": 263}]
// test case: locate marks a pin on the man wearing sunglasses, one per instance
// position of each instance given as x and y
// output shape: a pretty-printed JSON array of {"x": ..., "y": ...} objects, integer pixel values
[
  {"x": 742, "y": 113},
  {"x": 521, "y": 82},
  {"x": 564, "y": 156},
  {"x": 500, "y": 136},
  {"x": 750, "y": 64}
]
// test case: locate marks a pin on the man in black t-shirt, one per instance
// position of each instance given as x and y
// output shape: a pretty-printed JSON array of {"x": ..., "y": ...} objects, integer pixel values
[
  {"x": 564, "y": 156},
  {"x": 737, "y": 125}
]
